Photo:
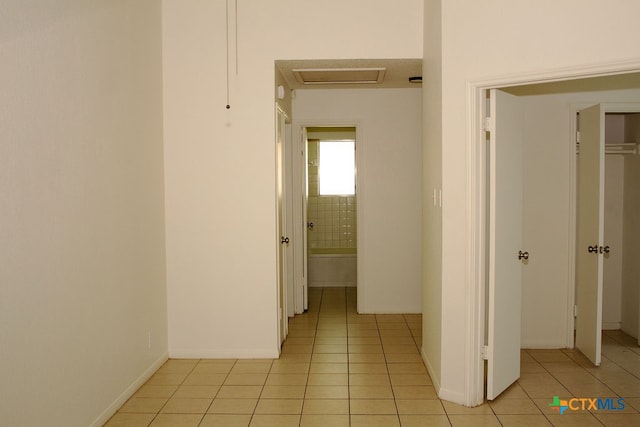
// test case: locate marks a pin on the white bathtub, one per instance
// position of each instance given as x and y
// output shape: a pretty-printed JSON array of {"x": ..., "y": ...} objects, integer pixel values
[{"x": 327, "y": 270}]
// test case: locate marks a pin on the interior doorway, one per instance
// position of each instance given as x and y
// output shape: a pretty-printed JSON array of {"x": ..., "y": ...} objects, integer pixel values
[
  {"x": 539, "y": 254},
  {"x": 331, "y": 208}
]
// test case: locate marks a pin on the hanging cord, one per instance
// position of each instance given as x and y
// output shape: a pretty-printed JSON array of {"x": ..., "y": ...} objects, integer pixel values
[{"x": 228, "y": 106}]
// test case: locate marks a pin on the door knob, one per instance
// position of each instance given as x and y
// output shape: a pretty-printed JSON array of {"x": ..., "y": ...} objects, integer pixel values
[
  {"x": 604, "y": 250},
  {"x": 523, "y": 255},
  {"x": 593, "y": 249},
  {"x": 310, "y": 225},
  {"x": 284, "y": 240}
]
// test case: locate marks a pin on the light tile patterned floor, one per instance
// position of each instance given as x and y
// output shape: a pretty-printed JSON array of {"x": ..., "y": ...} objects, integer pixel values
[{"x": 339, "y": 368}]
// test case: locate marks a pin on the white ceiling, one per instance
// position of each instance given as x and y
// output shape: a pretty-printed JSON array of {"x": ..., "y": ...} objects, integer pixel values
[{"x": 395, "y": 75}]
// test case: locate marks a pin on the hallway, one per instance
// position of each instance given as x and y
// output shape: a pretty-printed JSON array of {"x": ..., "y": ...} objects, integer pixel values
[{"x": 339, "y": 368}]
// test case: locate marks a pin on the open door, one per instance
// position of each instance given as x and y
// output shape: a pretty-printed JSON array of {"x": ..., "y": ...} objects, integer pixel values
[
  {"x": 590, "y": 234},
  {"x": 281, "y": 231},
  {"x": 506, "y": 255}
]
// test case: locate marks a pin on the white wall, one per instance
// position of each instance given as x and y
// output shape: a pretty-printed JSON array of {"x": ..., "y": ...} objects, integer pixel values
[
  {"x": 524, "y": 37},
  {"x": 220, "y": 164},
  {"x": 613, "y": 232},
  {"x": 631, "y": 238},
  {"x": 82, "y": 277},
  {"x": 389, "y": 190}
]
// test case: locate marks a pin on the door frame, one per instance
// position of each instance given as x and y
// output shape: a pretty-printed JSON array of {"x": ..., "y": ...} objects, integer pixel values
[
  {"x": 300, "y": 169},
  {"x": 476, "y": 255}
]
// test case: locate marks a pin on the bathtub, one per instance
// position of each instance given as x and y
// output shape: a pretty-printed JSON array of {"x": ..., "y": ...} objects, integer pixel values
[{"x": 337, "y": 270}]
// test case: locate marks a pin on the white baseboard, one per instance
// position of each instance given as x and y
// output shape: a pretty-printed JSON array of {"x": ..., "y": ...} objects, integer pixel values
[
  {"x": 186, "y": 353},
  {"x": 611, "y": 326},
  {"x": 129, "y": 391}
]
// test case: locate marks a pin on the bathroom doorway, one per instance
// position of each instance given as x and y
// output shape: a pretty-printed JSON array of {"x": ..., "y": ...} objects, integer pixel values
[{"x": 331, "y": 207}]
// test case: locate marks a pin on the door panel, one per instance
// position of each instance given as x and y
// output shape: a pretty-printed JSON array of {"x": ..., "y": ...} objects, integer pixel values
[
  {"x": 505, "y": 242},
  {"x": 590, "y": 232}
]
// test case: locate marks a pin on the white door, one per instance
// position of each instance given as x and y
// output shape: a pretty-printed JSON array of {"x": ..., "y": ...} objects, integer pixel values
[
  {"x": 505, "y": 242},
  {"x": 282, "y": 238},
  {"x": 590, "y": 233}
]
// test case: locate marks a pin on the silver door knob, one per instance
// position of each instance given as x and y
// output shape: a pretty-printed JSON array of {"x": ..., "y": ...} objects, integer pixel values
[
  {"x": 604, "y": 249},
  {"x": 284, "y": 240},
  {"x": 523, "y": 255}
]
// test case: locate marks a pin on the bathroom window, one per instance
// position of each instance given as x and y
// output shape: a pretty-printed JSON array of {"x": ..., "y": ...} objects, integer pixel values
[{"x": 337, "y": 168}]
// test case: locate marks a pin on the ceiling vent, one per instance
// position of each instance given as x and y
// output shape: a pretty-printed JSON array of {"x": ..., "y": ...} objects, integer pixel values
[{"x": 328, "y": 76}]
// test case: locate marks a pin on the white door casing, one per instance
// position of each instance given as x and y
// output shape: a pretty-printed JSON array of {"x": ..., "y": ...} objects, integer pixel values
[
  {"x": 505, "y": 242},
  {"x": 281, "y": 237}
]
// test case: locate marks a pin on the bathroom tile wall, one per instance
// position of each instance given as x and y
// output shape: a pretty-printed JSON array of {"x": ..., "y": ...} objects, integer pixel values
[{"x": 333, "y": 217}]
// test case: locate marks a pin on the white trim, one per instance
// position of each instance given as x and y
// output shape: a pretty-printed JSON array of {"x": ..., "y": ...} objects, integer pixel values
[
  {"x": 474, "y": 375},
  {"x": 227, "y": 353},
  {"x": 129, "y": 391}
]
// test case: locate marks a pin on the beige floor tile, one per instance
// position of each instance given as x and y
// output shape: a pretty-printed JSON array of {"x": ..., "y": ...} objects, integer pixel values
[
  {"x": 481, "y": 420},
  {"x": 160, "y": 391},
  {"x": 130, "y": 420},
  {"x": 279, "y": 406},
  {"x": 545, "y": 390},
  {"x": 424, "y": 421},
  {"x": 239, "y": 392},
  {"x": 407, "y": 368},
  {"x": 285, "y": 367},
  {"x": 513, "y": 392},
  {"x": 329, "y": 368},
  {"x": 373, "y": 406},
  {"x": 177, "y": 420},
  {"x": 245, "y": 379},
  {"x": 330, "y": 348},
  {"x": 369, "y": 379},
  {"x": 370, "y": 392},
  {"x": 143, "y": 405},
  {"x": 178, "y": 405},
  {"x": 400, "y": 349},
  {"x": 324, "y": 420},
  {"x": 419, "y": 407},
  {"x": 223, "y": 420},
  {"x": 328, "y": 379},
  {"x": 178, "y": 366},
  {"x": 365, "y": 348},
  {"x": 329, "y": 358},
  {"x": 327, "y": 392},
  {"x": 618, "y": 420},
  {"x": 197, "y": 391},
  {"x": 455, "y": 409},
  {"x": 414, "y": 392},
  {"x": 283, "y": 392},
  {"x": 367, "y": 358},
  {"x": 368, "y": 368},
  {"x": 514, "y": 407},
  {"x": 295, "y": 358},
  {"x": 590, "y": 389},
  {"x": 233, "y": 406},
  {"x": 403, "y": 358},
  {"x": 577, "y": 420},
  {"x": 326, "y": 406},
  {"x": 269, "y": 420},
  {"x": 410, "y": 379},
  {"x": 523, "y": 420},
  {"x": 167, "y": 379},
  {"x": 252, "y": 366},
  {"x": 365, "y": 341},
  {"x": 297, "y": 349},
  {"x": 375, "y": 421},
  {"x": 287, "y": 379},
  {"x": 205, "y": 379},
  {"x": 213, "y": 368}
]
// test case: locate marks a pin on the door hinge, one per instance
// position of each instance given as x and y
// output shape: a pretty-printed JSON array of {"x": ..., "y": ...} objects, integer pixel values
[
  {"x": 488, "y": 124},
  {"x": 484, "y": 352},
  {"x": 575, "y": 311}
]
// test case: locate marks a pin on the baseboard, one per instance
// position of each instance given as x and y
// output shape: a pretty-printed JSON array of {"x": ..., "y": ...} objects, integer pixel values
[
  {"x": 186, "y": 353},
  {"x": 129, "y": 391},
  {"x": 443, "y": 393},
  {"x": 611, "y": 326}
]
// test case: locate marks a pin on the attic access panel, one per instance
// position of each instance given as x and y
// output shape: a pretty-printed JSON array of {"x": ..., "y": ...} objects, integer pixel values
[{"x": 327, "y": 76}]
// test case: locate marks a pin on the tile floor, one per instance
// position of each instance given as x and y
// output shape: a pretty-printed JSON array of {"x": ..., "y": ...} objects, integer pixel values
[{"x": 339, "y": 368}]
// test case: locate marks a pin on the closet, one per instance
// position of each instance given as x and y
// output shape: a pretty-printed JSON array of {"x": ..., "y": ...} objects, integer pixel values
[
  {"x": 621, "y": 275},
  {"x": 608, "y": 225}
]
